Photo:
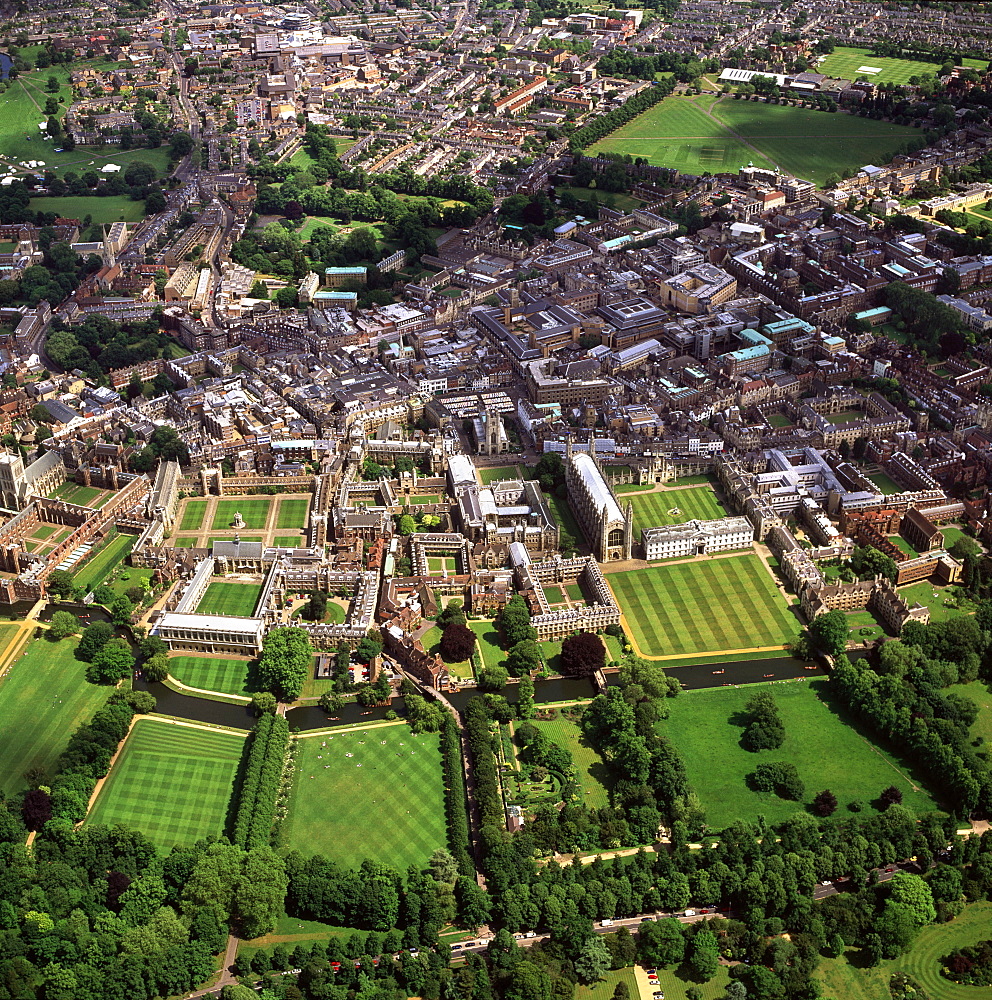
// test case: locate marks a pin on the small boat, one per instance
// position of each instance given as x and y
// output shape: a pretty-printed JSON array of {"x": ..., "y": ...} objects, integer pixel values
[
  {"x": 768, "y": 675},
  {"x": 720, "y": 671}
]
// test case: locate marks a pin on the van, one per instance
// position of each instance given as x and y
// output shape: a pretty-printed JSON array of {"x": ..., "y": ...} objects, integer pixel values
[
  {"x": 607, "y": 923},
  {"x": 531, "y": 934}
]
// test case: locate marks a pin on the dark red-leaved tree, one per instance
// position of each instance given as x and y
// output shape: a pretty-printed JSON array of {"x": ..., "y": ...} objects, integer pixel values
[
  {"x": 457, "y": 643},
  {"x": 890, "y": 797},
  {"x": 582, "y": 654},
  {"x": 825, "y": 803},
  {"x": 117, "y": 885},
  {"x": 37, "y": 809}
]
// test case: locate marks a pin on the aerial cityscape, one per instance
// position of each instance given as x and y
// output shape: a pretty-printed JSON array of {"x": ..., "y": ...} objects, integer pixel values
[{"x": 569, "y": 426}]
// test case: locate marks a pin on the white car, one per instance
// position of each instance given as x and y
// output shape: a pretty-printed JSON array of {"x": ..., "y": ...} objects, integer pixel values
[{"x": 690, "y": 913}]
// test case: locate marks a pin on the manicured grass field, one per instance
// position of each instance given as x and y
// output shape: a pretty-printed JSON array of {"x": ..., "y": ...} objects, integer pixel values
[
  {"x": 903, "y": 546},
  {"x": 229, "y": 676},
  {"x": 679, "y": 133},
  {"x": 591, "y": 773},
  {"x": 489, "y": 645},
  {"x": 416, "y": 501},
  {"x": 672, "y": 507},
  {"x": 384, "y": 802},
  {"x": 603, "y": 990},
  {"x": 950, "y": 533},
  {"x": 184, "y": 543},
  {"x": 564, "y": 516},
  {"x": 820, "y": 739},
  {"x": 254, "y": 510},
  {"x": 171, "y": 782},
  {"x": 716, "y": 605},
  {"x": 842, "y": 977},
  {"x": 292, "y": 513},
  {"x": 844, "y": 62},
  {"x": 885, "y": 483},
  {"x": 942, "y": 606},
  {"x": 463, "y": 668},
  {"x": 44, "y": 530},
  {"x": 840, "y": 140},
  {"x": 621, "y": 488},
  {"x": 674, "y": 987},
  {"x": 113, "y": 208},
  {"x": 43, "y": 698},
  {"x": 225, "y": 598},
  {"x": 981, "y": 694},
  {"x": 495, "y": 472},
  {"x": 193, "y": 515},
  {"x": 289, "y": 541},
  {"x": 698, "y": 134},
  {"x": 85, "y": 496},
  {"x": 439, "y": 564},
  {"x": 779, "y": 420},
  {"x": 100, "y": 564},
  {"x": 844, "y": 417}
]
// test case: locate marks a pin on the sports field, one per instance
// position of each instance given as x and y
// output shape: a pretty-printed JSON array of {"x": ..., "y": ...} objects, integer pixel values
[
  {"x": 844, "y": 64},
  {"x": 591, "y": 773},
  {"x": 700, "y": 134},
  {"x": 103, "y": 561},
  {"x": 171, "y": 782},
  {"x": 113, "y": 208},
  {"x": 193, "y": 515},
  {"x": 224, "y": 598},
  {"x": 376, "y": 794},
  {"x": 709, "y": 606},
  {"x": 850, "y": 978},
  {"x": 292, "y": 513},
  {"x": 211, "y": 673},
  {"x": 43, "y": 698},
  {"x": 672, "y": 507},
  {"x": 254, "y": 511},
  {"x": 820, "y": 739}
]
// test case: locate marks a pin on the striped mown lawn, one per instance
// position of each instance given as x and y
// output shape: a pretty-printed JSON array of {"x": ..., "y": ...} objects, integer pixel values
[
  {"x": 490, "y": 475},
  {"x": 385, "y": 801},
  {"x": 293, "y": 513},
  {"x": 719, "y": 604},
  {"x": 193, "y": 515},
  {"x": 223, "y": 598},
  {"x": 184, "y": 543},
  {"x": 211, "y": 673},
  {"x": 289, "y": 541},
  {"x": 847, "y": 976},
  {"x": 85, "y": 496},
  {"x": 103, "y": 561},
  {"x": 43, "y": 698},
  {"x": 652, "y": 510},
  {"x": 171, "y": 782},
  {"x": 254, "y": 511}
]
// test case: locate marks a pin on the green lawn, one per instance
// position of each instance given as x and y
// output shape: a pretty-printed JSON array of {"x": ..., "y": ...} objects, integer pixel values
[
  {"x": 844, "y": 62},
  {"x": 621, "y": 202},
  {"x": 495, "y": 472},
  {"x": 229, "y": 676},
  {"x": 43, "y": 698},
  {"x": 981, "y": 694},
  {"x": 699, "y": 134},
  {"x": 100, "y": 563},
  {"x": 225, "y": 598},
  {"x": 603, "y": 990},
  {"x": 113, "y": 208},
  {"x": 821, "y": 739},
  {"x": 844, "y": 417},
  {"x": 436, "y": 565},
  {"x": 652, "y": 510},
  {"x": 171, "y": 782},
  {"x": 885, "y": 483},
  {"x": 193, "y": 515},
  {"x": 679, "y": 133},
  {"x": 489, "y": 644},
  {"x": 846, "y": 977},
  {"x": 622, "y": 488},
  {"x": 949, "y": 531},
  {"x": 840, "y": 141},
  {"x": 184, "y": 543},
  {"x": 715, "y": 605},
  {"x": 463, "y": 669},
  {"x": 425, "y": 499},
  {"x": 779, "y": 420},
  {"x": 343, "y": 808},
  {"x": 903, "y": 546},
  {"x": 289, "y": 541},
  {"x": 564, "y": 516},
  {"x": 591, "y": 773},
  {"x": 254, "y": 510},
  {"x": 292, "y": 513},
  {"x": 674, "y": 987},
  {"x": 946, "y": 604},
  {"x": 85, "y": 496}
]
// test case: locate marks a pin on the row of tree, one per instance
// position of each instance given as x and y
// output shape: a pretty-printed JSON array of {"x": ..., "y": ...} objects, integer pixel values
[
  {"x": 265, "y": 758},
  {"x": 455, "y": 803},
  {"x": 603, "y": 125}
]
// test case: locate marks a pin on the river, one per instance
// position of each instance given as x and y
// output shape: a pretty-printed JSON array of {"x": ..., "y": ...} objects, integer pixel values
[{"x": 5, "y": 65}]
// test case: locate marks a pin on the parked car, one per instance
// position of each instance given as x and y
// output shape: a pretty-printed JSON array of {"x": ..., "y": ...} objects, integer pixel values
[{"x": 690, "y": 913}]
